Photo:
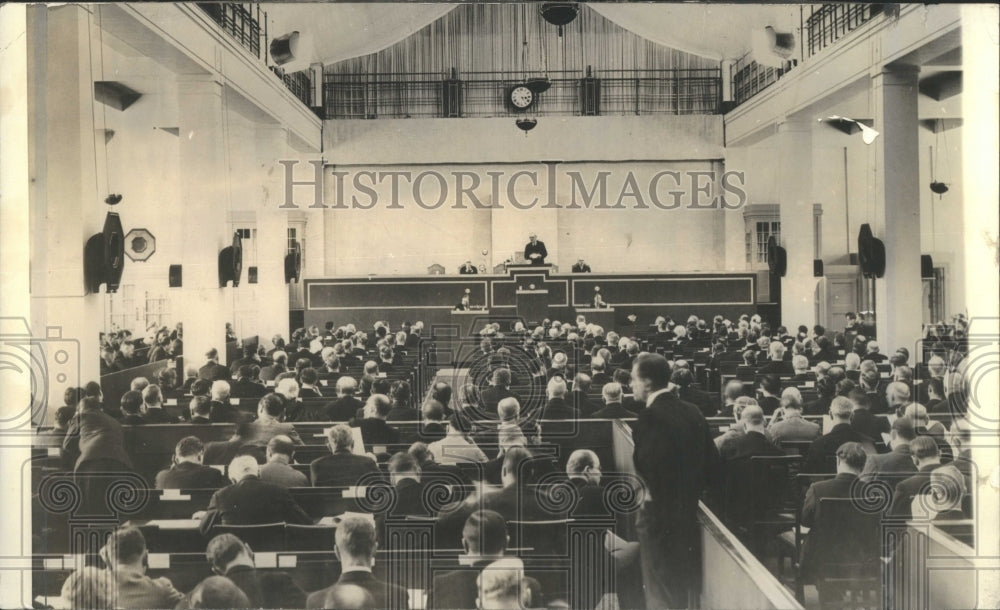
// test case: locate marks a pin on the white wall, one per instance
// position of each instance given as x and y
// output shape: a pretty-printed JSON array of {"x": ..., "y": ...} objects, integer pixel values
[
  {"x": 615, "y": 233},
  {"x": 405, "y": 239},
  {"x": 941, "y": 221}
]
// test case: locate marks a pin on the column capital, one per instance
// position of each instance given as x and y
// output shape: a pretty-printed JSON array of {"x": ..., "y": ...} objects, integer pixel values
[{"x": 900, "y": 74}]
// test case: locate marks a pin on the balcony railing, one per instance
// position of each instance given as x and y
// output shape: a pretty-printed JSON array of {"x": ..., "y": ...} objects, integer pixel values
[
  {"x": 299, "y": 83},
  {"x": 825, "y": 25},
  {"x": 831, "y": 22},
  {"x": 481, "y": 94},
  {"x": 749, "y": 78},
  {"x": 241, "y": 22}
]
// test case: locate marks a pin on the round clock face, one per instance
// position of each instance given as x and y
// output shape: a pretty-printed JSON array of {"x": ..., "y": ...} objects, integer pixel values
[{"x": 521, "y": 97}]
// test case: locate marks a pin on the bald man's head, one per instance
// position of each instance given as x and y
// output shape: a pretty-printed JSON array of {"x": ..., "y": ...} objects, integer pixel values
[{"x": 508, "y": 409}]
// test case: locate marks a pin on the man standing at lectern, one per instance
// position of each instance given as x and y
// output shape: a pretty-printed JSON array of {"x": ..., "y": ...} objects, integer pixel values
[{"x": 534, "y": 251}]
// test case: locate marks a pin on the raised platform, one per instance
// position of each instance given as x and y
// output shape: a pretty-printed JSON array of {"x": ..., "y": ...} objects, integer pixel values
[{"x": 431, "y": 298}]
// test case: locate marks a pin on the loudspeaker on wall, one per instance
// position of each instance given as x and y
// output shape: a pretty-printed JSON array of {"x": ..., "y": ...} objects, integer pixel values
[
  {"x": 817, "y": 267},
  {"x": 871, "y": 253},
  {"x": 777, "y": 260},
  {"x": 926, "y": 266},
  {"x": 104, "y": 256},
  {"x": 175, "y": 276},
  {"x": 231, "y": 263}
]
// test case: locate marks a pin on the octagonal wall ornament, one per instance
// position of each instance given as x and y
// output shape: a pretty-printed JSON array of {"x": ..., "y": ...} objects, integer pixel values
[{"x": 139, "y": 245}]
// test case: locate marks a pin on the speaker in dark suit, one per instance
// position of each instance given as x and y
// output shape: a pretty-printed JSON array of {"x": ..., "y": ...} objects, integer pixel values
[{"x": 534, "y": 251}]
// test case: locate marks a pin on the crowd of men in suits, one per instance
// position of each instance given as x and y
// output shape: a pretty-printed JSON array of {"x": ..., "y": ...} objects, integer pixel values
[
  {"x": 121, "y": 351},
  {"x": 678, "y": 455}
]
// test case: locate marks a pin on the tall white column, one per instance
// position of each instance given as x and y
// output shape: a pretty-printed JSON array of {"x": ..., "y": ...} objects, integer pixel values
[
  {"x": 272, "y": 234},
  {"x": 798, "y": 287},
  {"x": 897, "y": 206},
  {"x": 204, "y": 199},
  {"x": 980, "y": 151},
  {"x": 67, "y": 205},
  {"x": 15, "y": 386}
]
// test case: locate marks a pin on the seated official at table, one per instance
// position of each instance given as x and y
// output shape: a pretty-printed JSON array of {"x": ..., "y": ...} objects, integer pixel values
[
  {"x": 463, "y": 305},
  {"x": 581, "y": 267},
  {"x": 468, "y": 269},
  {"x": 534, "y": 251}
]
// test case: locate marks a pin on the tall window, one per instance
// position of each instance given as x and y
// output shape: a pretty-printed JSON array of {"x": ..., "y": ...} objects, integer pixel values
[
  {"x": 121, "y": 312},
  {"x": 761, "y": 222},
  {"x": 765, "y": 230},
  {"x": 136, "y": 309},
  {"x": 157, "y": 309},
  {"x": 244, "y": 318}
]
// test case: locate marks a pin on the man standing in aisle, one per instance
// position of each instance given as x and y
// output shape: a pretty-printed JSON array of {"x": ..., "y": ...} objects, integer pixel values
[{"x": 677, "y": 459}]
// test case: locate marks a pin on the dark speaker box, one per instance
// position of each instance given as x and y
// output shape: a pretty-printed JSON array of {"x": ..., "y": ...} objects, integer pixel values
[
  {"x": 817, "y": 267},
  {"x": 104, "y": 256},
  {"x": 175, "y": 277},
  {"x": 871, "y": 253},
  {"x": 926, "y": 266},
  {"x": 252, "y": 275},
  {"x": 293, "y": 264},
  {"x": 231, "y": 263},
  {"x": 777, "y": 258}
]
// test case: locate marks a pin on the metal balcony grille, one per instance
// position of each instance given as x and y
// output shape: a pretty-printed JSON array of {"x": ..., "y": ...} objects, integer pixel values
[{"x": 484, "y": 94}]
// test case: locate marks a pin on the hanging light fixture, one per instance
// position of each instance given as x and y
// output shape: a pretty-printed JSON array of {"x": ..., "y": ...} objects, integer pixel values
[
  {"x": 526, "y": 125},
  {"x": 559, "y": 13},
  {"x": 938, "y": 188}
]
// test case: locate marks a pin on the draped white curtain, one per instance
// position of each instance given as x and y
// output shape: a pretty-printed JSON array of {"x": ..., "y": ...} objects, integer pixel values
[
  {"x": 342, "y": 31},
  {"x": 717, "y": 31}
]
